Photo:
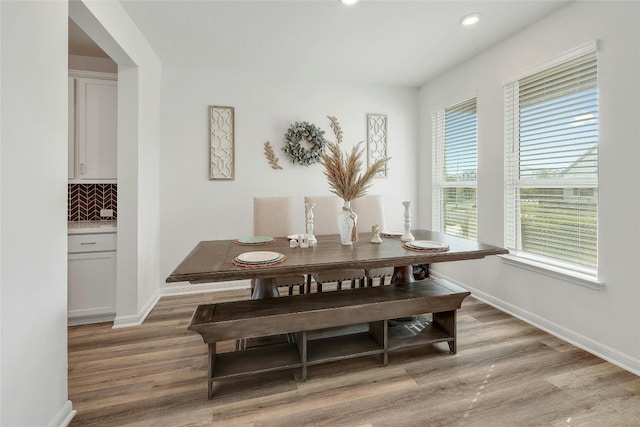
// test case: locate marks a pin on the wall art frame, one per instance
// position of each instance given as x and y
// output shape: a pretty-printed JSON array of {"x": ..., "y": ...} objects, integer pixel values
[
  {"x": 377, "y": 140},
  {"x": 221, "y": 143}
]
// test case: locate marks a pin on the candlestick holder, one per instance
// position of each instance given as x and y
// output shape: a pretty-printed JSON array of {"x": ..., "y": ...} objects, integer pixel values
[
  {"x": 308, "y": 210},
  {"x": 407, "y": 236}
]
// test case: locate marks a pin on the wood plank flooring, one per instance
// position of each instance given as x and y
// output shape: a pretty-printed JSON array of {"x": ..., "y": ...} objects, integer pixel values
[{"x": 506, "y": 373}]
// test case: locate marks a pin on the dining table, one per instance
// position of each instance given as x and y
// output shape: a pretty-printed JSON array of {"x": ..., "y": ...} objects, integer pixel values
[{"x": 218, "y": 260}]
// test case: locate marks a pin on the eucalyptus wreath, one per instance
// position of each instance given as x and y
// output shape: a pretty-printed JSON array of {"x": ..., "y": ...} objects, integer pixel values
[{"x": 304, "y": 131}]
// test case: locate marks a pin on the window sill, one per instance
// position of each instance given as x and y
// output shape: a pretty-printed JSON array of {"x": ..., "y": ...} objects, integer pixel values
[{"x": 557, "y": 272}]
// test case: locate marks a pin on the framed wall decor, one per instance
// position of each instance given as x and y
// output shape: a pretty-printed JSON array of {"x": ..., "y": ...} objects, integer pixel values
[
  {"x": 377, "y": 140},
  {"x": 221, "y": 142}
]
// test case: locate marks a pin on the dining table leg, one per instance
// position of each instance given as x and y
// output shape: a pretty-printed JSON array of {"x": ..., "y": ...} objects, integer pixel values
[
  {"x": 402, "y": 275},
  {"x": 265, "y": 288}
]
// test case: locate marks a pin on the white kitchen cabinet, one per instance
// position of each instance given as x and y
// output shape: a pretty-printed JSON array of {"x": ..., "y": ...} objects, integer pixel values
[
  {"x": 96, "y": 130},
  {"x": 91, "y": 278}
]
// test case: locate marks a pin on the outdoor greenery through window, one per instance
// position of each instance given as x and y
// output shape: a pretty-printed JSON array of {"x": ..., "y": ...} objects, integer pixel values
[
  {"x": 551, "y": 164},
  {"x": 455, "y": 166}
]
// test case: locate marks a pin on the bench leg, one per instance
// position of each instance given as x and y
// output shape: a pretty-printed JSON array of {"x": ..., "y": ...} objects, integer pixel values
[
  {"x": 301, "y": 341},
  {"x": 379, "y": 332},
  {"x": 212, "y": 360},
  {"x": 446, "y": 320}
]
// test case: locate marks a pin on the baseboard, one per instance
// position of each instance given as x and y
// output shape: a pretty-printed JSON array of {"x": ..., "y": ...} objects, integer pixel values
[
  {"x": 89, "y": 319},
  {"x": 178, "y": 289},
  {"x": 194, "y": 288},
  {"x": 609, "y": 354},
  {"x": 136, "y": 320},
  {"x": 64, "y": 416}
]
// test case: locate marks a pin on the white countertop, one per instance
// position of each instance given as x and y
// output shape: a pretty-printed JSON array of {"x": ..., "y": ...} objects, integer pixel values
[{"x": 85, "y": 227}]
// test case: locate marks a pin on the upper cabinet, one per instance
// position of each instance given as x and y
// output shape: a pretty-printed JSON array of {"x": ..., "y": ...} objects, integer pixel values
[{"x": 93, "y": 141}]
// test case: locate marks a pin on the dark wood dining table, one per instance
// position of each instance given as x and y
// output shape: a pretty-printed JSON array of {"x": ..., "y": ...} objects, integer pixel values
[{"x": 212, "y": 261}]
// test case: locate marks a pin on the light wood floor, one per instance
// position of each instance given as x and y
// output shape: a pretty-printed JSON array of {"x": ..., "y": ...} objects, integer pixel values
[{"x": 506, "y": 373}]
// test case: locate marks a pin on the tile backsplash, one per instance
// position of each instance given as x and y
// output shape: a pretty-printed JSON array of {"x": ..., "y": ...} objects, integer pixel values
[{"x": 86, "y": 200}]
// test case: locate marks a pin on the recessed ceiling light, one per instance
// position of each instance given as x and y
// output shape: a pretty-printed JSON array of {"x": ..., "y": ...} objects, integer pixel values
[
  {"x": 470, "y": 19},
  {"x": 349, "y": 2}
]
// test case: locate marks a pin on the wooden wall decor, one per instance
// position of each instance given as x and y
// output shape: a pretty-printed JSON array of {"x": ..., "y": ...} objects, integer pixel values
[
  {"x": 377, "y": 140},
  {"x": 271, "y": 156},
  {"x": 221, "y": 142}
]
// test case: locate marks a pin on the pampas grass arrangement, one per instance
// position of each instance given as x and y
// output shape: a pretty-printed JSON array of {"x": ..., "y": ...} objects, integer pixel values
[{"x": 343, "y": 171}]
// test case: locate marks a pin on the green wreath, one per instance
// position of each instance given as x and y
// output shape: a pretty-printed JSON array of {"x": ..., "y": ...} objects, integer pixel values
[{"x": 304, "y": 132}]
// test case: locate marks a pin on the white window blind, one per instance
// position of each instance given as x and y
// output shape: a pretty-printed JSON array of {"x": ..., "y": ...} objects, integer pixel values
[
  {"x": 551, "y": 165},
  {"x": 455, "y": 166}
]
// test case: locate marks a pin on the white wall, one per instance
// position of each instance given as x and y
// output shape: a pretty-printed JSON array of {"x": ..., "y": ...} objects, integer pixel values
[
  {"x": 195, "y": 208},
  {"x": 33, "y": 188},
  {"x": 606, "y": 322},
  {"x": 33, "y": 262}
]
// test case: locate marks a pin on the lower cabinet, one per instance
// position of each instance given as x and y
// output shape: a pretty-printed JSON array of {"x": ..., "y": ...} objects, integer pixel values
[{"x": 91, "y": 278}]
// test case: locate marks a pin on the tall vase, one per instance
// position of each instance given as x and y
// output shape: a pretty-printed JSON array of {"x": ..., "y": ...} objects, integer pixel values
[{"x": 347, "y": 220}]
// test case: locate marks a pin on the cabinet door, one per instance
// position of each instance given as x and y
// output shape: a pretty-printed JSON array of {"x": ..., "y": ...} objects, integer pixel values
[
  {"x": 97, "y": 108},
  {"x": 72, "y": 129},
  {"x": 91, "y": 284}
]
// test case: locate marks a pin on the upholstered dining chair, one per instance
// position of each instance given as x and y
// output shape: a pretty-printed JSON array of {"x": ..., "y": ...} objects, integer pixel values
[
  {"x": 370, "y": 211},
  {"x": 325, "y": 221},
  {"x": 279, "y": 217},
  {"x": 325, "y": 213}
]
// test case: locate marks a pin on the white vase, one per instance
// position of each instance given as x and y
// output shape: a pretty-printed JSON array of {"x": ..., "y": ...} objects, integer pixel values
[{"x": 347, "y": 220}]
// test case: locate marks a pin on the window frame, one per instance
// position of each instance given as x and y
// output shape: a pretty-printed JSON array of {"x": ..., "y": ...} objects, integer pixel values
[
  {"x": 573, "y": 272},
  {"x": 439, "y": 183}
]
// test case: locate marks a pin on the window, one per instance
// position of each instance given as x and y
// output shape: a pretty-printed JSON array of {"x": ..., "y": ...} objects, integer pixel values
[
  {"x": 551, "y": 164},
  {"x": 455, "y": 166}
]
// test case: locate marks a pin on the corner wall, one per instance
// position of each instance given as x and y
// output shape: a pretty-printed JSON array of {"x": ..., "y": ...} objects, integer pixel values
[
  {"x": 605, "y": 322},
  {"x": 33, "y": 246}
]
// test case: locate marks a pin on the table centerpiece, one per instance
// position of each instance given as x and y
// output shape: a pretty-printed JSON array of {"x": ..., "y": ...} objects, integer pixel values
[{"x": 347, "y": 181}]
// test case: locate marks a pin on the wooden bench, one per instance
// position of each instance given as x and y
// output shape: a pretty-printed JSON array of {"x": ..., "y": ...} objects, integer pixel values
[{"x": 367, "y": 311}]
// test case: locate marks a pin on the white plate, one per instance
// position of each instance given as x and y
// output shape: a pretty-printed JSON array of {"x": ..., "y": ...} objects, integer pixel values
[
  {"x": 259, "y": 257},
  {"x": 391, "y": 233},
  {"x": 255, "y": 240},
  {"x": 426, "y": 244}
]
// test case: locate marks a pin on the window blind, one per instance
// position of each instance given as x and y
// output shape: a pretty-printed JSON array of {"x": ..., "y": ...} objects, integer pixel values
[
  {"x": 551, "y": 163},
  {"x": 455, "y": 165}
]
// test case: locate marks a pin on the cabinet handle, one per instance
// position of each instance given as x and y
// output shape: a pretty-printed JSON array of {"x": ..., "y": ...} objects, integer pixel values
[
  {"x": 82, "y": 168},
  {"x": 88, "y": 243}
]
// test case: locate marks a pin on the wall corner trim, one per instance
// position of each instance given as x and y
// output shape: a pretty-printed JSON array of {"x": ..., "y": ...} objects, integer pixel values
[
  {"x": 64, "y": 416},
  {"x": 137, "y": 319}
]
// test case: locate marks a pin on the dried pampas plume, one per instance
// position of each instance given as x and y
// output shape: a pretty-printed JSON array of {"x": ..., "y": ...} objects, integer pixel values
[{"x": 343, "y": 171}]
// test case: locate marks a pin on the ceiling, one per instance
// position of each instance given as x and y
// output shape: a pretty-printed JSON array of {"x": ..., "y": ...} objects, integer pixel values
[{"x": 393, "y": 42}]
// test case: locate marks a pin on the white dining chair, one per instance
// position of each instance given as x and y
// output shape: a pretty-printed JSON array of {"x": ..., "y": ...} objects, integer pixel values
[
  {"x": 325, "y": 213},
  {"x": 370, "y": 211},
  {"x": 279, "y": 217},
  {"x": 325, "y": 221}
]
